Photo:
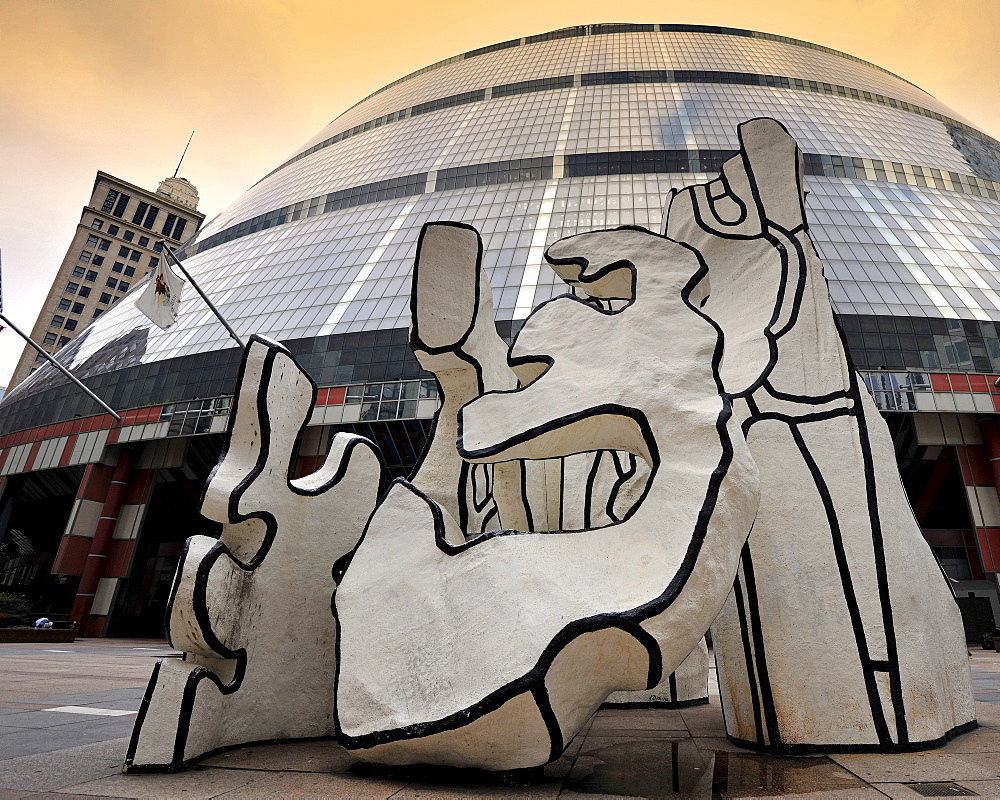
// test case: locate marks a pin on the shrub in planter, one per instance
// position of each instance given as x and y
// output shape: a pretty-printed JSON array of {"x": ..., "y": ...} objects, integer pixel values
[{"x": 14, "y": 610}]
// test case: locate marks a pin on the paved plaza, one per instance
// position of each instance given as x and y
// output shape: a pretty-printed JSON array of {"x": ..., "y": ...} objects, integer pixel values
[{"x": 66, "y": 712}]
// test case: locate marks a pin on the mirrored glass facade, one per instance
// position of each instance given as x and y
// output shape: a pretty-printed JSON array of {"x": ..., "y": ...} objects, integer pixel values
[{"x": 542, "y": 137}]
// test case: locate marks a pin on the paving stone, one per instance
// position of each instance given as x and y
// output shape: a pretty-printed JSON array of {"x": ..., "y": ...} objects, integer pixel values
[
  {"x": 640, "y": 768},
  {"x": 301, "y": 784},
  {"x": 750, "y": 774},
  {"x": 928, "y": 766},
  {"x": 984, "y": 788},
  {"x": 73, "y": 765},
  {"x": 321, "y": 756},
  {"x": 615, "y": 734},
  {"x": 988, "y": 714},
  {"x": 41, "y": 719},
  {"x": 629, "y": 720},
  {"x": 538, "y": 792},
  {"x": 32, "y": 741},
  {"x": 195, "y": 783},
  {"x": 718, "y": 744},
  {"x": 828, "y": 794},
  {"x": 88, "y": 698},
  {"x": 619, "y": 753},
  {"x": 980, "y": 740}
]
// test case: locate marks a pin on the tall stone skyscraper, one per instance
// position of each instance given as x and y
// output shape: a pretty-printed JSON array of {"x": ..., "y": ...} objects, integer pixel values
[{"x": 113, "y": 247}]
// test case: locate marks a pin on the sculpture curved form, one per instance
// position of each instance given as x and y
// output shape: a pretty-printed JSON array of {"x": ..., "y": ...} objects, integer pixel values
[
  {"x": 251, "y": 609},
  {"x": 578, "y": 517},
  {"x": 836, "y": 574},
  {"x": 493, "y": 652}
]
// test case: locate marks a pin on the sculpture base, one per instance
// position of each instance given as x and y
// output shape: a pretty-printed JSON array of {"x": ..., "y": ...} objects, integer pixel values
[{"x": 815, "y": 749}]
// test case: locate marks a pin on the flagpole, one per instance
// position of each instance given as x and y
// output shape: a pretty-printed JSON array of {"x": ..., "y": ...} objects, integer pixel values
[
  {"x": 60, "y": 367},
  {"x": 197, "y": 288}
]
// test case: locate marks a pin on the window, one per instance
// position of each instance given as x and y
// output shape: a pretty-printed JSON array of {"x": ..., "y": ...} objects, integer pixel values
[
  {"x": 71, "y": 324},
  {"x": 64, "y": 304},
  {"x": 122, "y": 252},
  {"x": 122, "y": 286},
  {"x": 86, "y": 255},
  {"x": 135, "y": 255},
  {"x": 143, "y": 241},
  {"x": 77, "y": 272},
  {"x": 179, "y": 228},
  {"x": 105, "y": 298},
  {"x": 112, "y": 282},
  {"x": 72, "y": 287},
  {"x": 104, "y": 244},
  {"x": 39, "y": 357},
  {"x": 97, "y": 224},
  {"x": 150, "y": 217},
  {"x": 85, "y": 291},
  {"x": 129, "y": 271},
  {"x": 118, "y": 267},
  {"x": 63, "y": 340},
  {"x": 128, "y": 236},
  {"x": 109, "y": 201},
  {"x": 140, "y": 213},
  {"x": 50, "y": 338},
  {"x": 120, "y": 205},
  {"x": 77, "y": 308},
  {"x": 113, "y": 230},
  {"x": 158, "y": 247},
  {"x": 92, "y": 241},
  {"x": 168, "y": 226},
  {"x": 97, "y": 261},
  {"x": 98, "y": 313},
  {"x": 58, "y": 320},
  {"x": 153, "y": 262},
  {"x": 91, "y": 275}
]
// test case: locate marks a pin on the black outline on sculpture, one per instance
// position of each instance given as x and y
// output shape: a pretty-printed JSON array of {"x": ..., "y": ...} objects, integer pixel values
[
  {"x": 198, "y": 674},
  {"x": 476, "y": 487},
  {"x": 783, "y": 240},
  {"x": 629, "y": 621}
]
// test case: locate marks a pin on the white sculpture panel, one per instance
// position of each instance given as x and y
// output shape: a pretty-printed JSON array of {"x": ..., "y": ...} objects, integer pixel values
[{"x": 578, "y": 519}]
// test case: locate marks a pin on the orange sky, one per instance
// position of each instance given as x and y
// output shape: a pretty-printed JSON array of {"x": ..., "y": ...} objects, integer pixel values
[{"x": 117, "y": 85}]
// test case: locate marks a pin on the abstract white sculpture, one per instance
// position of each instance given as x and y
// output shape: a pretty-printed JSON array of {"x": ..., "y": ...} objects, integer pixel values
[
  {"x": 578, "y": 519},
  {"x": 252, "y": 609},
  {"x": 685, "y": 686},
  {"x": 493, "y": 653},
  {"x": 836, "y": 576}
]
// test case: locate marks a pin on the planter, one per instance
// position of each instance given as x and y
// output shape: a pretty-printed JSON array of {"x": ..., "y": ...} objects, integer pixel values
[{"x": 36, "y": 635}]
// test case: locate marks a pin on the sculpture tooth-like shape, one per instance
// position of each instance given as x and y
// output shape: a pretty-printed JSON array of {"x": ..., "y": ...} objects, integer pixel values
[{"x": 445, "y": 649}]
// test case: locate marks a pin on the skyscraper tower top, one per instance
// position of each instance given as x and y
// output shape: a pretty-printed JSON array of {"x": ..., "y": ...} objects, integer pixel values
[{"x": 180, "y": 190}]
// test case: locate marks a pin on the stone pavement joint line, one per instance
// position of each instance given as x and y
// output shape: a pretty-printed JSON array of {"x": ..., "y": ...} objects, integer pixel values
[{"x": 621, "y": 753}]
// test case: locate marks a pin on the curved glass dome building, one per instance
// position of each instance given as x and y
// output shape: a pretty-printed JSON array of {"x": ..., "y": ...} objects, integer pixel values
[{"x": 530, "y": 140}]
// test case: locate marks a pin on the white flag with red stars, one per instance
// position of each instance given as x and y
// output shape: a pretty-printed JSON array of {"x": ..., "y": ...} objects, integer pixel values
[{"x": 161, "y": 300}]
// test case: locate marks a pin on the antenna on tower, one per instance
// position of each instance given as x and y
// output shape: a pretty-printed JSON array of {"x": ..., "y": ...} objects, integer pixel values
[{"x": 176, "y": 171}]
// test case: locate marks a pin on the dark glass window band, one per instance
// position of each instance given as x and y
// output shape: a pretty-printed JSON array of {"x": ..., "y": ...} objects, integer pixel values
[
  {"x": 876, "y": 342},
  {"x": 636, "y": 162},
  {"x": 633, "y": 77},
  {"x": 619, "y": 27}
]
